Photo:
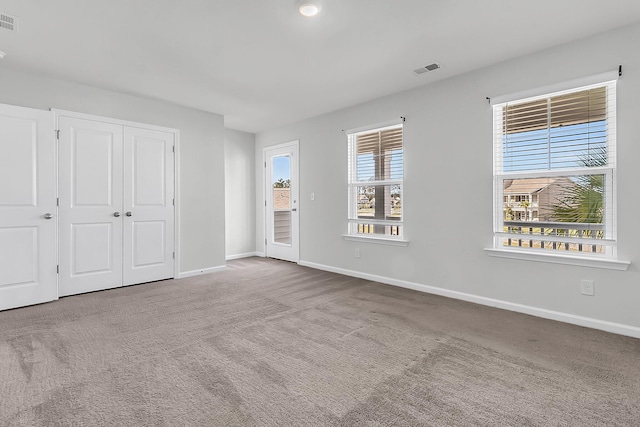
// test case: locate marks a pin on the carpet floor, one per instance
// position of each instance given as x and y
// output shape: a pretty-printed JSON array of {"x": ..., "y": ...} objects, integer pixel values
[{"x": 270, "y": 343}]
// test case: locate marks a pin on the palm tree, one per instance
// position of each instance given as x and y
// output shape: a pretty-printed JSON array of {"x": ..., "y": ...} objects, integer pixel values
[
  {"x": 583, "y": 202},
  {"x": 281, "y": 183}
]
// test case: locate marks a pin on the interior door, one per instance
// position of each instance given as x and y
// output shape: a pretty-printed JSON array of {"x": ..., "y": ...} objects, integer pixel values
[
  {"x": 27, "y": 207},
  {"x": 90, "y": 191},
  {"x": 281, "y": 191},
  {"x": 148, "y": 205}
]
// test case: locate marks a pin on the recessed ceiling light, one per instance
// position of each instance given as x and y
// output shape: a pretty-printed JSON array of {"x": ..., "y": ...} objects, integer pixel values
[{"x": 309, "y": 9}]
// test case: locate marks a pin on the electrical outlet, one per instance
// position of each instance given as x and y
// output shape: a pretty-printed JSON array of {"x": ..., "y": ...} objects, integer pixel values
[
  {"x": 587, "y": 287},
  {"x": 357, "y": 253}
]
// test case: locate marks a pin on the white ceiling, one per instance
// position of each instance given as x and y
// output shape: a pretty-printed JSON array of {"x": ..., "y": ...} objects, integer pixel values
[{"x": 262, "y": 65}]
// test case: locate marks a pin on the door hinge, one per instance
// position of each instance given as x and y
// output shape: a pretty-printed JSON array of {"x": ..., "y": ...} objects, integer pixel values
[
  {"x": 265, "y": 203},
  {"x": 57, "y": 269},
  {"x": 174, "y": 148},
  {"x": 265, "y": 241},
  {"x": 174, "y": 255},
  {"x": 57, "y": 201},
  {"x": 174, "y": 202},
  {"x": 57, "y": 131},
  {"x": 265, "y": 165}
]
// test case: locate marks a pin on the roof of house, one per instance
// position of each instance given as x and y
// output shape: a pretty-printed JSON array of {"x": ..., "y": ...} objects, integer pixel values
[{"x": 528, "y": 185}]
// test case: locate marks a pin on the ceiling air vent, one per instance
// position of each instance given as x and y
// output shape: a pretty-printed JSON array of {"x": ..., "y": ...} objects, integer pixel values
[
  {"x": 8, "y": 22},
  {"x": 427, "y": 68}
]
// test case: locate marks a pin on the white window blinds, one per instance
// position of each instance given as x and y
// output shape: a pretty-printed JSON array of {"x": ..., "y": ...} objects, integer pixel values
[
  {"x": 557, "y": 132},
  {"x": 554, "y": 163}
]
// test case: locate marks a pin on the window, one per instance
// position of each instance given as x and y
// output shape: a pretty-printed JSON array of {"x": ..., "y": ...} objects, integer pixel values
[
  {"x": 554, "y": 170},
  {"x": 376, "y": 173}
]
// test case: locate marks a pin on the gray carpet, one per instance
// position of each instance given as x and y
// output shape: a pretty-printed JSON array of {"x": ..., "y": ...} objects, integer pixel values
[{"x": 270, "y": 343}]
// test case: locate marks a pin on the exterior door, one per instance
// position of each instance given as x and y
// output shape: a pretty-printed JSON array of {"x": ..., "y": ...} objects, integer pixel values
[
  {"x": 281, "y": 191},
  {"x": 27, "y": 207},
  {"x": 148, "y": 205},
  {"x": 90, "y": 191}
]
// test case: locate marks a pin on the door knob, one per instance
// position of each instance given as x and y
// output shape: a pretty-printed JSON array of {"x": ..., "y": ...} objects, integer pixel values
[
  {"x": 128, "y": 214},
  {"x": 116, "y": 214},
  {"x": 48, "y": 216},
  {"x": 294, "y": 209}
]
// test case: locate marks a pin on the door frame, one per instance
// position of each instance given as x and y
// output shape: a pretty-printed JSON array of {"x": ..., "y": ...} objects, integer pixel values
[
  {"x": 295, "y": 144},
  {"x": 176, "y": 165}
]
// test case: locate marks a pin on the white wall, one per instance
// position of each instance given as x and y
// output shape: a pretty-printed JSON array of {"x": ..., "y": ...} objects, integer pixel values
[
  {"x": 448, "y": 186},
  {"x": 240, "y": 189},
  {"x": 202, "y": 152}
]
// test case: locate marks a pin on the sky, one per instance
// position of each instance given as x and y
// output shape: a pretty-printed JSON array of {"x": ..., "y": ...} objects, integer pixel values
[{"x": 281, "y": 168}]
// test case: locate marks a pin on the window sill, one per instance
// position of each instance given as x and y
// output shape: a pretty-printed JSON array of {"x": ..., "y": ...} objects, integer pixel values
[
  {"x": 377, "y": 240},
  {"x": 582, "y": 261}
]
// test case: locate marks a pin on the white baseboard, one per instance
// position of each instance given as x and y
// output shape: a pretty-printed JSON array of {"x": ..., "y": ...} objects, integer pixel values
[
  {"x": 245, "y": 255},
  {"x": 616, "y": 328},
  {"x": 186, "y": 274},
  {"x": 260, "y": 254}
]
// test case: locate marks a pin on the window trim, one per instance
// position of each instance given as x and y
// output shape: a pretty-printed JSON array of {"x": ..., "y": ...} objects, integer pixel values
[
  {"x": 559, "y": 258},
  {"x": 569, "y": 85},
  {"x": 609, "y": 259},
  {"x": 393, "y": 240},
  {"x": 386, "y": 240}
]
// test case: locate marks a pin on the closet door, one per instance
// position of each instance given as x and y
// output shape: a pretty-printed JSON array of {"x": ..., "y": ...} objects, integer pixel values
[
  {"x": 91, "y": 214},
  {"x": 148, "y": 205},
  {"x": 27, "y": 207}
]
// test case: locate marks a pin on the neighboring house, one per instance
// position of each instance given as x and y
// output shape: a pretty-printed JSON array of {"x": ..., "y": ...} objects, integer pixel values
[
  {"x": 281, "y": 198},
  {"x": 532, "y": 199},
  {"x": 363, "y": 201}
]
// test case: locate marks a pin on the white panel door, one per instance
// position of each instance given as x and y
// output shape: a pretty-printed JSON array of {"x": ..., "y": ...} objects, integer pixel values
[
  {"x": 148, "y": 205},
  {"x": 90, "y": 191},
  {"x": 27, "y": 207},
  {"x": 281, "y": 191}
]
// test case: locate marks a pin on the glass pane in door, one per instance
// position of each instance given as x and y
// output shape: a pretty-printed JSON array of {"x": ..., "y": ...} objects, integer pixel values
[{"x": 281, "y": 177}]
